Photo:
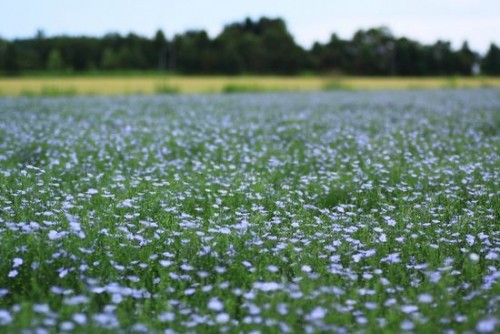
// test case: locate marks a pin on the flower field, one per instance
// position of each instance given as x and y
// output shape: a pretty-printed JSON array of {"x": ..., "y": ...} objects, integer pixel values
[{"x": 253, "y": 213}]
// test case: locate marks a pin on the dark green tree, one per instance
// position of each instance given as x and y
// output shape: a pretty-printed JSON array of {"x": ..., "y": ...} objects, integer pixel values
[
  {"x": 441, "y": 59},
  {"x": 193, "y": 52},
  {"x": 134, "y": 53},
  {"x": 465, "y": 60},
  {"x": 409, "y": 57},
  {"x": 490, "y": 64},
  {"x": 11, "y": 60},
  {"x": 283, "y": 55},
  {"x": 263, "y": 46},
  {"x": 161, "y": 48},
  {"x": 229, "y": 61},
  {"x": 3, "y": 48},
  {"x": 373, "y": 51},
  {"x": 332, "y": 57},
  {"x": 55, "y": 61},
  {"x": 109, "y": 59},
  {"x": 243, "y": 40}
]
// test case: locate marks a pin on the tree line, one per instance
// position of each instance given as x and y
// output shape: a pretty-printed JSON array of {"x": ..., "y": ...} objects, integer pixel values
[{"x": 263, "y": 46}]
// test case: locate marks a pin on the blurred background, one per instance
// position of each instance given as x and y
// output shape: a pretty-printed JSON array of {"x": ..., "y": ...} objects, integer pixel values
[{"x": 356, "y": 38}]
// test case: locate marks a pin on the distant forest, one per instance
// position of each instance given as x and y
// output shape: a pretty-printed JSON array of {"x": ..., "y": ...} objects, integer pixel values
[{"x": 263, "y": 46}]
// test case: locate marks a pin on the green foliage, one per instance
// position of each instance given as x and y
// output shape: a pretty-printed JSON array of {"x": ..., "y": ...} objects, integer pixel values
[
  {"x": 299, "y": 212},
  {"x": 166, "y": 88},
  {"x": 451, "y": 82},
  {"x": 110, "y": 59},
  {"x": 192, "y": 53},
  {"x": 55, "y": 61},
  {"x": 11, "y": 64},
  {"x": 491, "y": 62},
  {"x": 336, "y": 84},
  {"x": 262, "y": 46},
  {"x": 161, "y": 47},
  {"x": 242, "y": 88},
  {"x": 51, "y": 91}
]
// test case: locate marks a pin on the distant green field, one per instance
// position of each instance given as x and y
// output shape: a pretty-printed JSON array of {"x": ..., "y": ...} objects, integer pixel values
[
  {"x": 309, "y": 212},
  {"x": 155, "y": 84}
]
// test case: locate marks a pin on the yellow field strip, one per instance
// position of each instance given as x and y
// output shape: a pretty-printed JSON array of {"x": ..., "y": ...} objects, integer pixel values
[{"x": 212, "y": 84}]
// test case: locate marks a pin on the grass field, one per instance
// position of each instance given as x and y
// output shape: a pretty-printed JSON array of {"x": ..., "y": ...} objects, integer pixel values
[
  {"x": 155, "y": 84},
  {"x": 341, "y": 212}
]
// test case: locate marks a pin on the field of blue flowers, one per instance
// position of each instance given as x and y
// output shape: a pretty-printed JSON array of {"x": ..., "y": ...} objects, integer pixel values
[{"x": 254, "y": 213}]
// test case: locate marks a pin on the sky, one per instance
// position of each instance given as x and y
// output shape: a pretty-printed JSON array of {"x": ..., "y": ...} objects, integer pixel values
[{"x": 477, "y": 21}]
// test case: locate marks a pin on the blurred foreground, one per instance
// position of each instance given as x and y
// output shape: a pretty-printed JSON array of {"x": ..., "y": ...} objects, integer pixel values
[{"x": 154, "y": 84}]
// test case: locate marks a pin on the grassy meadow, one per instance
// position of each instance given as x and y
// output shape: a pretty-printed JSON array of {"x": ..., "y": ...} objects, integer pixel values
[
  {"x": 156, "y": 84},
  {"x": 306, "y": 212}
]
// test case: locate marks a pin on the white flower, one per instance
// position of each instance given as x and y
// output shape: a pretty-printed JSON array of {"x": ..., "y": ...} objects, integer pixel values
[
  {"x": 215, "y": 305},
  {"x": 357, "y": 257},
  {"x": 166, "y": 317},
  {"x": 486, "y": 325},
  {"x": 186, "y": 267},
  {"x": 17, "y": 262},
  {"x": 166, "y": 263},
  {"x": 92, "y": 191},
  {"x": 470, "y": 239},
  {"x": 63, "y": 273},
  {"x": 54, "y": 235},
  {"x": 267, "y": 286},
  {"x": 409, "y": 308},
  {"x": 474, "y": 257},
  {"x": 491, "y": 256},
  {"x": 126, "y": 203},
  {"x": 67, "y": 326},
  {"x": 41, "y": 308},
  {"x": 222, "y": 318},
  {"x": 80, "y": 318},
  {"x": 392, "y": 258},
  {"x": 76, "y": 300},
  {"x": 425, "y": 298},
  {"x": 307, "y": 269},
  {"x": 317, "y": 314},
  {"x": 5, "y": 317},
  {"x": 407, "y": 325},
  {"x": 272, "y": 268}
]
